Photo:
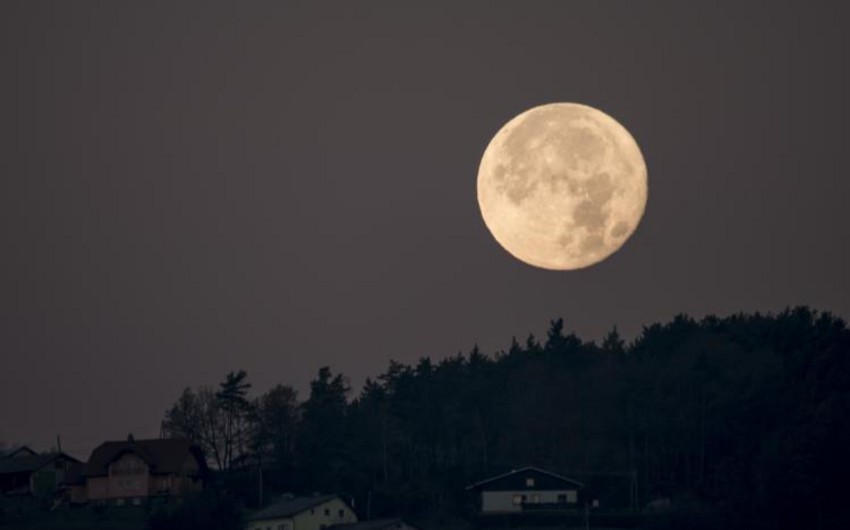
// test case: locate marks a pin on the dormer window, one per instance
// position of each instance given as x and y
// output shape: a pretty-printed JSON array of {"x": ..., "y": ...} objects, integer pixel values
[{"x": 529, "y": 482}]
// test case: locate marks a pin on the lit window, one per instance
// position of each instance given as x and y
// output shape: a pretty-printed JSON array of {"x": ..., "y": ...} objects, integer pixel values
[
  {"x": 517, "y": 500},
  {"x": 529, "y": 482}
]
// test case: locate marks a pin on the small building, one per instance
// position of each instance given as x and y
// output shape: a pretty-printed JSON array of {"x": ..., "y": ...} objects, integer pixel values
[
  {"x": 25, "y": 472},
  {"x": 316, "y": 512},
  {"x": 377, "y": 524},
  {"x": 525, "y": 490},
  {"x": 131, "y": 471}
]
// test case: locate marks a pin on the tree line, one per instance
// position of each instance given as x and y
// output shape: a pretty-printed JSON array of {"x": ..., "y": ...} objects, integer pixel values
[{"x": 740, "y": 421}]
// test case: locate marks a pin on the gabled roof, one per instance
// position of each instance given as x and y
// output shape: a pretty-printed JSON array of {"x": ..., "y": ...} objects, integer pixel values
[
  {"x": 21, "y": 451},
  {"x": 377, "y": 524},
  {"x": 20, "y": 464},
  {"x": 163, "y": 456},
  {"x": 291, "y": 506},
  {"x": 28, "y": 464},
  {"x": 524, "y": 470}
]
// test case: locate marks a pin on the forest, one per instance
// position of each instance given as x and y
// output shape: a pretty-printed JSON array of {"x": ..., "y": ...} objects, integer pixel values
[{"x": 740, "y": 421}]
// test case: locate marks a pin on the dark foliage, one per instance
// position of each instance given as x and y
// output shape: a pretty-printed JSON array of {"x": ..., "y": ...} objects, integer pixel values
[
  {"x": 209, "y": 511},
  {"x": 740, "y": 421}
]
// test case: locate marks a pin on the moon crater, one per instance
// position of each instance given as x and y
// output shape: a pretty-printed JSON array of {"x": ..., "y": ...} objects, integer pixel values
[{"x": 562, "y": 186}]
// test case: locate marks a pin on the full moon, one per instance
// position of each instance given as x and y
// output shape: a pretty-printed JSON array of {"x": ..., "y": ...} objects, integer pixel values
[{"x": 562, "y": 186}]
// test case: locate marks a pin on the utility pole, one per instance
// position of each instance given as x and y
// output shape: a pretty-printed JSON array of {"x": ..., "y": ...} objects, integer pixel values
[
  {"x": 633, "y": 492},
  {"x": 260, "y": 478}
]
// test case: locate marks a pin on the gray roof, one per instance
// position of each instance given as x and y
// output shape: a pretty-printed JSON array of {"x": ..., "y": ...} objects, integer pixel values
[
  {"x": 28, "y": 464},
  {"x": 377, "y": 524},
  {"x": 522, "y": 470},
  {"x": 24, "y": 463},
  {"x": 288, "y": 507}
]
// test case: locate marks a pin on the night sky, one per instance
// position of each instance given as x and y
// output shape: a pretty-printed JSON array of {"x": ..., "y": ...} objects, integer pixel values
[{"x": 192, "y": 189}]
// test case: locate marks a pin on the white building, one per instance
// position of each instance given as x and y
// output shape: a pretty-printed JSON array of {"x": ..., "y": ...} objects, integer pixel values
[
  {"x": 317, "y": 512},
  {"x": 527, "y": 490}
]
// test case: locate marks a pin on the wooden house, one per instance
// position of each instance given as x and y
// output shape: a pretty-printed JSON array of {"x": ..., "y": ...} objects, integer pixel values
[
  {"x": 25, "y": 472},
  {"x": 131, "y": 471}
]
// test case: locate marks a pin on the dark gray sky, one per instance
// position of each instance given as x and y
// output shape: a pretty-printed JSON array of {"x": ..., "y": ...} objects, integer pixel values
[{"x": 192, "y": 189}]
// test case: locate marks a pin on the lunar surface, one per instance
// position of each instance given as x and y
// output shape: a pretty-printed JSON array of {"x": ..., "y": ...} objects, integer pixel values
[{"x": 562, "y": 186}]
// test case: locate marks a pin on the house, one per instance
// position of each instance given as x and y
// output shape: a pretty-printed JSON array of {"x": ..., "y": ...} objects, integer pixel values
[
  {"x": 316, "y": 512},
  {"x": 525, "y": 490},
  {"x": 377, "y": 524},
  {"x": 23, "y": 471},
  {"x": 19, "y": 452},
  {"x": 73, "y": 488},
  {"x": 131, "y": 471}
]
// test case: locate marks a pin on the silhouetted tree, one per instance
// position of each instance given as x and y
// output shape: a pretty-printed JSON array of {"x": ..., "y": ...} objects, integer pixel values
[
  {"x": 323, "y": 436},
  {"x": 197, "y": 415},
  {"x": 741, "y": 421},
  {"x": 276, "y": 416},
  {"x": 233, "y": 400}
]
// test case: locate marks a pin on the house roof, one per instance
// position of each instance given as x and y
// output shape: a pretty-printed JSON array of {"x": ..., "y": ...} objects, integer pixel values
[
  {"x": 377, "y": 524},
  {"x": 523, "y": 470},
  {"x": 20, "y": 464},
  {"x": 21, "y": 452},
  {"x": 163, "y": 456},
  {"x": 290, "y": 506},
  {"x": 28, "y": 464}
]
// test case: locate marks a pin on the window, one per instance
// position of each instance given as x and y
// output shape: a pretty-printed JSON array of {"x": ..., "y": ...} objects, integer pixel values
[
  {"x": 535, "y": 499},
  {"x": 529, "y": 482},
  {"x": 119, "y": 502},
  {"x": 562, "y": 498},
  {"x": 137, "y": 501},
  {"x": 341, "y": 512},
  {"x": 327, "y": 511},
  {"x": 519, "y": 499},
  {"x": 572, "y": 498}
]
